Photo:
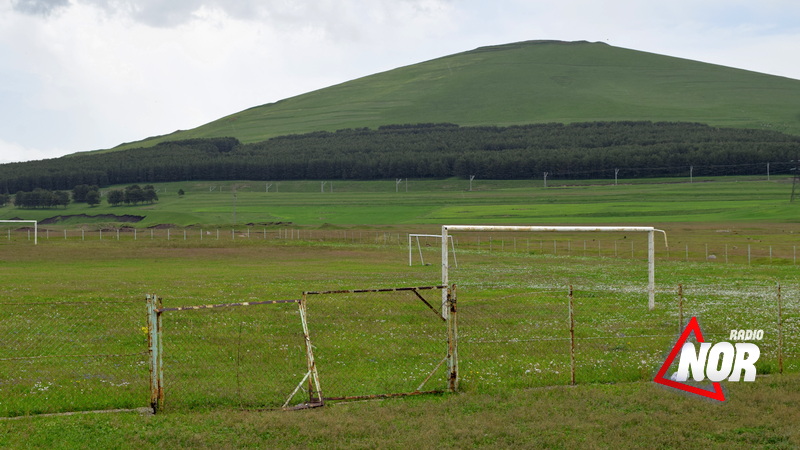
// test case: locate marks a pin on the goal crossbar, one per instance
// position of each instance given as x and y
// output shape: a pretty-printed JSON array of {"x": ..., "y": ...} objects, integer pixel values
[{"x": 446, "y": 229}]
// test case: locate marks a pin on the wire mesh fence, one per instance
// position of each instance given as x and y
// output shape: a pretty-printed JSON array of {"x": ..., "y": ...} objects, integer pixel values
[
  {"x": 371, "y": 343},
  {"x": 563, "y": 336},
  {"x": 617, "y": 338},
  {"x": 67, "y": 356},
  {"x": 245, "y": 355},
  {"x": 338, "y": 345},
  {"x": 772, "y": 309},
  {"x": 513, "y": 340}
]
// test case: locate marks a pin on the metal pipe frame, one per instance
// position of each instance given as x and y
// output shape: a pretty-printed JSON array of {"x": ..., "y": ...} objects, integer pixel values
[
  {"x": 35, "y": 228},
  {"x": 446, "y": 229}
]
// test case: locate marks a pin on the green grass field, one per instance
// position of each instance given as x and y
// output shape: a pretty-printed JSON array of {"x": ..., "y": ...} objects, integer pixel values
[
  {"x": 222, "y": 366},
  {"x": 436, "y": 202},
  {"x": 508, "y": 387}
]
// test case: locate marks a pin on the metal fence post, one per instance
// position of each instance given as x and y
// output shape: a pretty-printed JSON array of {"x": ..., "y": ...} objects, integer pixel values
[
  {"x": 571, "y": 336},
  {"x": 680, "y": 308},
  {"x": 445, "y": 272},
  {"x": 155, "y": 352},
  {"x": 780, "y": 331},
  {"x": 452, "y": 340},
  {"x": 651, "y": 270}
]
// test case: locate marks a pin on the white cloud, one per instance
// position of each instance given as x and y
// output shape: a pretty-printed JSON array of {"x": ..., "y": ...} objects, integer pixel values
[{"x": 11, "y": 152}]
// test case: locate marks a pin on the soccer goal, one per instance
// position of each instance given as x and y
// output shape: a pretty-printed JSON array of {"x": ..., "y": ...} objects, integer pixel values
[
  {"x": 447, "y": 229},
  {"x": 35, "y": 228},
  {"x": 411, "y": 238}
]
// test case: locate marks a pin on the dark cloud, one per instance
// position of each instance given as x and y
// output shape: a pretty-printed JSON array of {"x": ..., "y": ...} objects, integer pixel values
[{"x": 38, "y": 7}]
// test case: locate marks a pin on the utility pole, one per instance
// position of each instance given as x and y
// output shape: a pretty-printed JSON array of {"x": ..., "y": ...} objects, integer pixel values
[
  {"x": 397, "y": 182},
  {"x": 471, "y": 177},
  {"x": 545, "y": 179},
  {"x": 616, "y": 172}
]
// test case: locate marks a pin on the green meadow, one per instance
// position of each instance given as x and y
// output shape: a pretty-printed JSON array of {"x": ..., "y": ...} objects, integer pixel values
[
  {"x": 437, "y": 202},
  {"x": 227, "y": 371}
]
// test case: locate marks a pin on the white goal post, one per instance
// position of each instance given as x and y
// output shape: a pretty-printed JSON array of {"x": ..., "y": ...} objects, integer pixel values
[
  {"x": 35, "y": 228},
  {"x": 422, "y": 260},
  {"x": 651, "y": 289}
]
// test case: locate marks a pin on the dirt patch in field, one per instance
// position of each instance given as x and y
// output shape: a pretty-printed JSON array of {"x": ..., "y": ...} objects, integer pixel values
[
  {"x": 163, "y": 226},
  {"x": 127, "y": 218}
]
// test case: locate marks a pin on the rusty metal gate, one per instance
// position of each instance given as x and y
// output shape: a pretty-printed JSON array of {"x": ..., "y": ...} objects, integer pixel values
[
  {"x": 250, "y": 355},
  {"x": 384, "y": 342}
]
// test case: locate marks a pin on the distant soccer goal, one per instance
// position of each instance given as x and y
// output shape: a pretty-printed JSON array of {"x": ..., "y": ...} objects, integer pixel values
[
  {"x": 35, "y": 228},
  {"x": 412, "y": 237},
  {"x": 447, "y": 229}
]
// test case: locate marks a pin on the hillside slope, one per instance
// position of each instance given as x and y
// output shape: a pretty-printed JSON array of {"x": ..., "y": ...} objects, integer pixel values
[{"x": 527, "y": 82}]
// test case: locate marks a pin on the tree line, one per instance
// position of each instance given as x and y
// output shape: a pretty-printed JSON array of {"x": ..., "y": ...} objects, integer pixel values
[
  {"x": 595, "y": 149},
  {"x": 43, "y": 198},
  {"x": 132, "y": 195}
]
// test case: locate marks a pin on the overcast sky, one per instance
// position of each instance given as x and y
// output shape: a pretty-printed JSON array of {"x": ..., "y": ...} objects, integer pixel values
[{"x": 79, "y": 75}]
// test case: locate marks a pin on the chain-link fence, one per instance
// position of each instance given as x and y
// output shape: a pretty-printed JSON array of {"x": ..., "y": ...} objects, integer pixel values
[
  {"x": 563, "y": 336},
  {"x": 371, "y": 343},
  {"x": 617, "y": 338},
  {"x": 247, "y": 355},
  {"x": 773, "y": 309},
  {"x": 336, "y": 345},
  {"x": 513, "y": 340},
  {"x": 69, "y": 356}
]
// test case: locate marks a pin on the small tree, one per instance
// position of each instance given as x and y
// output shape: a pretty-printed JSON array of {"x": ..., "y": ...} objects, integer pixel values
[
  {"x": 115, "y": 197},
  {"x": 61, "y": 198},
  {"x": 80, "y": 192},
  {"x": 134, "y": 194},
  {"x": 93, "y": 198},
  {"x": 180, "y": 192},
  {"x": 150, "y": 195}
]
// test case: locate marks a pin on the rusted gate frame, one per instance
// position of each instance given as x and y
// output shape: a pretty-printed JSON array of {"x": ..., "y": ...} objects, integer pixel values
[
  {"x": 155, "y": 311},
  {"x": 452, "y": 338}
]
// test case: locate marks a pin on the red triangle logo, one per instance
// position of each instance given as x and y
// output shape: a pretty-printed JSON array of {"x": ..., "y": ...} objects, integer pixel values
[{"x": 692, "y": 327}]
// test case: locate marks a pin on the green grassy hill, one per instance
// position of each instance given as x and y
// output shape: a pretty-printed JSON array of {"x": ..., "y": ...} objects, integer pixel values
[{"x": 527, "y": 82}]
